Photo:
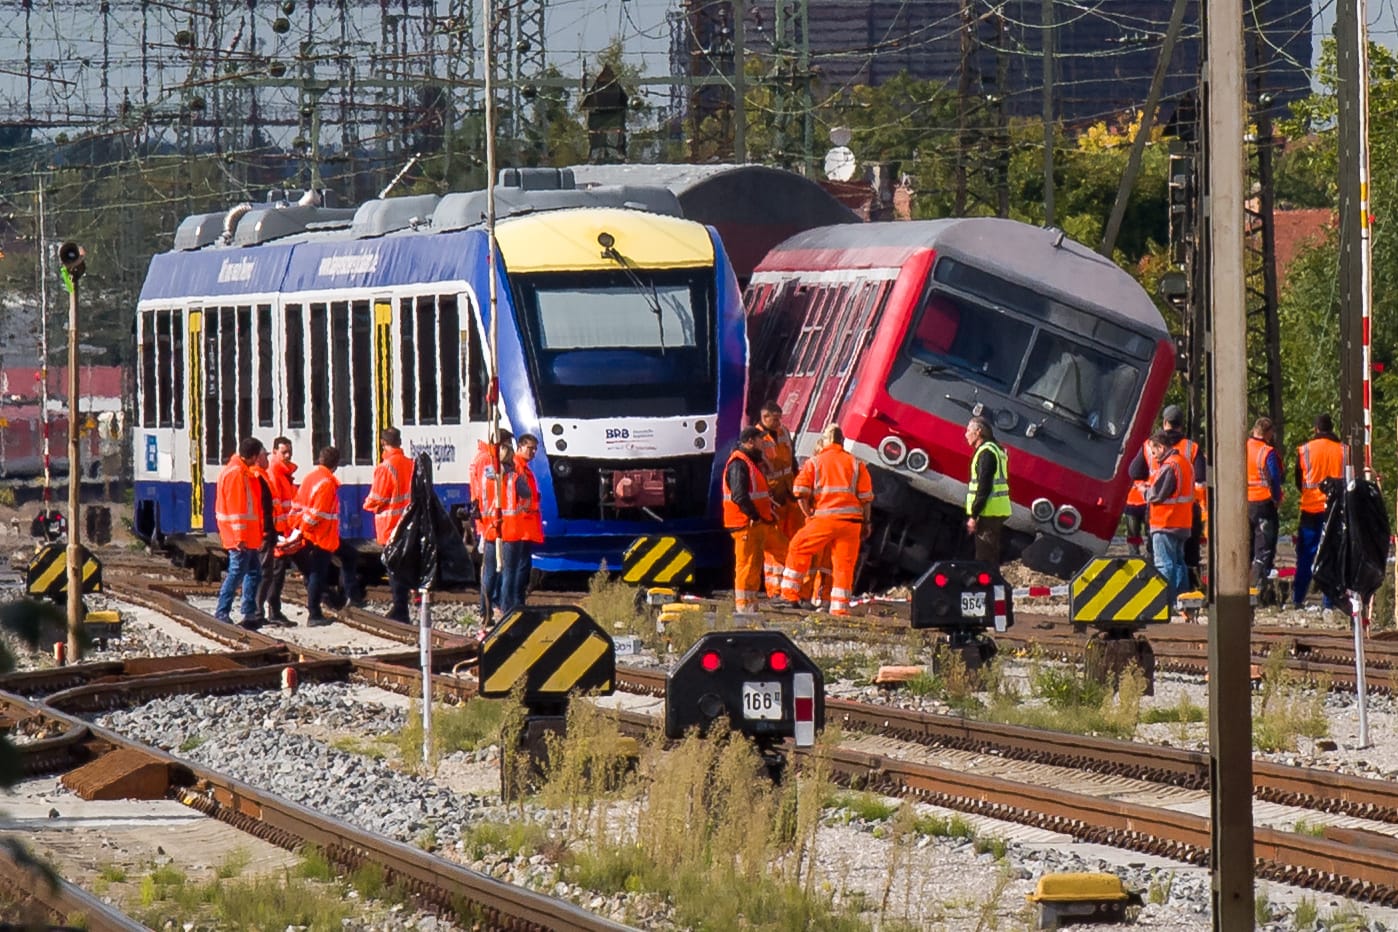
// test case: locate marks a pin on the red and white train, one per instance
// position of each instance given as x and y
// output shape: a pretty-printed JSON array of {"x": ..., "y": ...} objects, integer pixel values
[{"x": 900, "y": 332}]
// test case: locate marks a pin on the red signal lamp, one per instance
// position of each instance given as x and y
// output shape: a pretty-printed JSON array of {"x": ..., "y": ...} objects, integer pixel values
[
  {"x": 710, "y": 661},
  {"x": 779, "y": 661}
]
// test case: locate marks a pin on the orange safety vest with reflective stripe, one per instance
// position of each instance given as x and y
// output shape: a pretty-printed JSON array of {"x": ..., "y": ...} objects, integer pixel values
[
  {"x": 837, "y": 483},
  {"x": 1259, "y": 489},
  {"x": 1320, "y": 459},
  {"x": 510, "y": 517},
  {"x": 283, "y": 494},
  {"x": 390, "y": 492},
  {"x": 1137, "y": 496},
  {"x": 778, "y": 458},
  {"x": 317, "y": 510},
  {"x": 533, "y": 517},
  {"x": 733, "y": 516},
  {"x": 238, "y": 506},
  {"x": 1178, "y": 510}
]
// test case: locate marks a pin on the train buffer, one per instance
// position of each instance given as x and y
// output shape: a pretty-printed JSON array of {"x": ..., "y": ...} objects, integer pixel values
[
  {"x": 1077, "y": 897},
  {"x": 1119, "y": 597},
  {"x": 544, "y": 654}
]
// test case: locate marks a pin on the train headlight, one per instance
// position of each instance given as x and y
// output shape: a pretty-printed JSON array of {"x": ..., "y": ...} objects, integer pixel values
[
  {"x": 892, "y": 450},
  {"x": 701, "y": 426},
  {"x": 700, "y": 443},
  {"x": 1042, "y": 510},
  {"x": 561, "y": 445},
  {"x": 562, "y": 469},
  {"x": 918, "y": 461},
  {"x": 1067, "y": 520},
  {"x": 557, "y": 430}
]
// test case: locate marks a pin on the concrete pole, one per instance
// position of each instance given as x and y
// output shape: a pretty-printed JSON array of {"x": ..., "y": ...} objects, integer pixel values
[
  {"x": 75, "y": 569},
  {"x": 1046, "y": 15},
  {"x": 1230, "y": 694},
  {"x": 740, "y": 89}
]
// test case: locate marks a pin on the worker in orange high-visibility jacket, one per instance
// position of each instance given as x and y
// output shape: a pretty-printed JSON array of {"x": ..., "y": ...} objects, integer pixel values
[
  {"x": 1320, "y": 458},
  {"x": 815, "y": 588},
  {"x": 505, "y": 514},
  {"x": 749, "y": 517},
  {"x": 778, "y": 465},
  {"x": 1142, "y": 467},
  {"x": 484, "y": 459},
  {"x": 837, "y": 492},
  {"x": 238, "y": 512},
  {"x": 389, "y": 494},
  {"x": 1264, "y": 475},
  {"x": 316, "y": 520},
  {"x": 281, "y": 483},
  {"x": 533, "y": 520},
  {"x": 1171, "y": 499}
]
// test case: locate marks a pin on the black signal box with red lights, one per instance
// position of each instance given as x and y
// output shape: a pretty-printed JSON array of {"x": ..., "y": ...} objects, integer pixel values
[
  {"x": 760, "y": 680},
  {"x": 962, "y": 594}
]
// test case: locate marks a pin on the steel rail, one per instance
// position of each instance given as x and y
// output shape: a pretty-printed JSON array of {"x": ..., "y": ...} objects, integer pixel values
[
  {"x": 64, "y": 903},
  {"x": 470, "y": 894}
]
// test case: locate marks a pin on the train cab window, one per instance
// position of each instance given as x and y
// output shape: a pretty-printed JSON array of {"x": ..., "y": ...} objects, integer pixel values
[
  {"x": 294, "y": 359},
  {"x": 476, "y": 373},
  {"x": 264, "y": 365},
  {"x": 1073, "y": 380},
  {"x": 982, "y": 340}
]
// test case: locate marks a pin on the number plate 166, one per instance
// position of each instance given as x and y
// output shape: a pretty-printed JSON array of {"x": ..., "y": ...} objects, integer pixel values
[{"x": 762, "y": 701}]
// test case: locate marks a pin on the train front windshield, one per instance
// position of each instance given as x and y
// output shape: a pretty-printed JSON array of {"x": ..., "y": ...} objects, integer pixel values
[
  {"x": 613, "y": 343},
  {"x": 1052, "y": 357}
]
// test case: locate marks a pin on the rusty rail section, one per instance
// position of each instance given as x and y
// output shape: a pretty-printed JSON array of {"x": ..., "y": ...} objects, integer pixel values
[
  {"x": 61, "y": 902},
  {"x": 471, "y": 895}
]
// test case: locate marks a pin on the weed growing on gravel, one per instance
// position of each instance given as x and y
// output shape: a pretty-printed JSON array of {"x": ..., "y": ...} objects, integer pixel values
[
  {"x": 1306, "y": 914},
  {"x": 939, "y": 826},
  {"x": 263, "y": 903},
  {"x": 689, "y": 627},
  {"x": 1158, "y": 893},
  {"x": 464, "y": 727},
  {"x": 1284, "y": 709},
  {"x": 988, "y": 911},
  {"x": 1262, "y": 908},
  {"x": 315, "y": 865},
  {"x": 372, "y": 748},
  {"x": 113, "y": 873},
  {"x": 613, "y": 605},
  {"x": 715, "y": 838},
  {"x": 1313, "y": 829},
  {"x": 587, "y": 768},
  {"x": 234, "y": 864},
  {"x": 867, "y": 807},
  {"x": 855, "y": 666},
  {"x": 190, "y": 743},
  {"x": 1347, "y": 918},
  {"x": 1074, "y": 703},
  {"x": 512, "y": 838}
]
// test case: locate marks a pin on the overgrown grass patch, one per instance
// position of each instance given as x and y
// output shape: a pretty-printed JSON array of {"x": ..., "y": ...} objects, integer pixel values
[
  {"x": 1074, "y": 703},
  {"x": 233, "y": 864},
  {"x": 1285, "y": 709},
  {"x": 260, "y": 903},
  {"x": 465, "y": 727},
  {"x": 616, "y": 607},
  {"x": 372, "y": 748},
  {"x": 510, "y": 838},
  {"x": 867, "y": 807},
  {"x": 855, "y": 666}
]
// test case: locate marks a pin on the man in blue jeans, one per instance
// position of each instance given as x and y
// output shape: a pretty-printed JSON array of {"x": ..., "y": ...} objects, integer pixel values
[
  {"x": 1170, "y": 498},
  {"x": 239, "y": 513}
]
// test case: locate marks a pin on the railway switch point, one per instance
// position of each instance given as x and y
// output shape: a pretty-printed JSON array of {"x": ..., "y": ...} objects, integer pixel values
[
  {"x": 1119, "y": 597},
  {"x": 543, "y": 653},
  {"x": 759, "y": 680},
  {"x": 1091, "y": 897},
  {"x": 964, "y": 598}
]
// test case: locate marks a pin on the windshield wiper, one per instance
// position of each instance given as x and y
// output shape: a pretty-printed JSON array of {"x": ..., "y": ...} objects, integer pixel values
[{"x": 652, "y": 298}]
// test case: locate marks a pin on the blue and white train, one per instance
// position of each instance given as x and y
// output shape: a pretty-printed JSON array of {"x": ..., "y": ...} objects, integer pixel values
[{"x": 621, "y": 345}]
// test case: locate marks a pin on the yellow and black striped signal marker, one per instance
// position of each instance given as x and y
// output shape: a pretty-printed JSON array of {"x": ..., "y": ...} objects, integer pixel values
[
  {"x": 1119, "y": 591},
  {"x": 552, "y": 649},
  {"x": 657, "y": 561},
  {"x": 48, "y": 572}
]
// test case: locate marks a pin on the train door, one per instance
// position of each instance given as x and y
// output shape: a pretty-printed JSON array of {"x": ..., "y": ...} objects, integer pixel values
[
  {"x": 849, "y": 333},
  {"x": 383, "y": 367},
  {"x": 194, "y": 320}
]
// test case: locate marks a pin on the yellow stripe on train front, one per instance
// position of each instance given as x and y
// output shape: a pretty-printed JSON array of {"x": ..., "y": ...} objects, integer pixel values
[{"x": 566, "y": 240}]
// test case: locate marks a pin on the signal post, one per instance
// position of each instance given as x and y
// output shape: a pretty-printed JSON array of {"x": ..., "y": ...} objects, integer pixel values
[{"x": 73, "y": 256}]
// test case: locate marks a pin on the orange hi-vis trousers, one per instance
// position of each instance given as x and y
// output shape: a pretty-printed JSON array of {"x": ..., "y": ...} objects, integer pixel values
[
  {"x": 749, "y": 546},
  {"x": 842, "y": 537},
  {"x": 820, "y": 580},
  {"x": 789, "y": 521}
]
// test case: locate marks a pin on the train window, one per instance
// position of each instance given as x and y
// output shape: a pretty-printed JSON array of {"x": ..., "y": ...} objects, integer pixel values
[
  {"x": 243, "y": 368},
  {"x": 227, "y": 381},
  {"x": 318, "y": 360},
  {"x": 264, "y": 365},
  {"x": 149, "y": 339},
  {"x": 805, "y": 304},
  {"x": 341, "y": 378},
  {"x": 361, "y": 373},
  {"x": 449, "y": 326},
  {"x": 407, "y": 355},
  {"x": 212, "y": 442},
  {"x": 1071, "y": 379},
  {"x": 870, "y": 297},
  {"x": 983, "y": 340},
  {"x": 479, "y": 378},
  {"x": 294, "y": 359},
  {"x": 426, "y": 360},
  {"x": 175, "y": 402}
]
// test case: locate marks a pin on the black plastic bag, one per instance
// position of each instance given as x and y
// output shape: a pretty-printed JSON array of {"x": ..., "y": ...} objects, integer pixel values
[
  {"x": 426, "y": 550},
  {"x": 1353, "y": 552}
]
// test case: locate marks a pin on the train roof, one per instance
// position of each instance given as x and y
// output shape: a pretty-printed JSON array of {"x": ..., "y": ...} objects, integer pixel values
[
  {"x": 1055, "y": 264},
  {"x": 753, "y": 207}
]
